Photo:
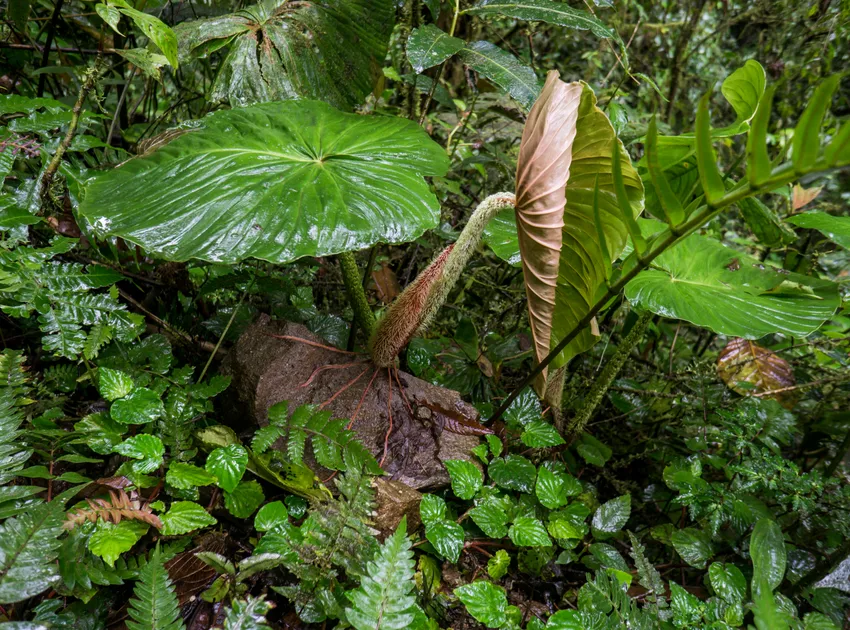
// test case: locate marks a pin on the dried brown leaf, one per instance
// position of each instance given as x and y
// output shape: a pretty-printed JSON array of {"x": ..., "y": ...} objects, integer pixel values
[
  {"x": 803, "y": 196},
  {"x": 386, "y": 284},
  {"x": 750, "y": 369},
  {"x": 119, "y": 506},
  {"x": 543, "y": 168}
]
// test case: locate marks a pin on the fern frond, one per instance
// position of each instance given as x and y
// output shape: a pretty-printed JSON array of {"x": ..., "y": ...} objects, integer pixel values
[
  {"x": 154, "y": 606},
  {"x": 12, "y": 454},
  {"x": 13, "y": 371},
  {"x": 248, "y": 614},
  {"x": 29, "y": 544},
  {"x": 648, "y": 575},
  {"x": 384, "y": 600},
  {"x": 99, "y": 335},
  {"x": 339, "y": 532},
  {"x": 119, "y": 506},
  {"x": 334, "y": 446}
]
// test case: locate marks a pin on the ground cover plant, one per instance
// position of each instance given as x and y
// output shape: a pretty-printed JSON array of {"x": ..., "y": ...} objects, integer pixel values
[{"x": 518, "y": 314}]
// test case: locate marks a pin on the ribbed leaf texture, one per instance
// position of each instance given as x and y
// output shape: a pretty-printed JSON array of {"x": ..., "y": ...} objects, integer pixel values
[
  {"x": 29, "y": 544},
  {"x": 384, "y": 600},
  {"x": 119, "y": 506},
  {"x": 13, "y": 455},
  {"x": 248, "y": 614},
  {"x": 334, "y": 446},
  {"x": 154, "y": 604},
  {"x": 543, "y": 168}
]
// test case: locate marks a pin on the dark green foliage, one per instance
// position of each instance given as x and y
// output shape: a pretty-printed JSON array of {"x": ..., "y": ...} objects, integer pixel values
[{"x": 29, "y": 544}]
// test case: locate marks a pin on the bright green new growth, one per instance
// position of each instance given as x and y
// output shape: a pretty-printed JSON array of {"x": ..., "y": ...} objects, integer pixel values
[
  {"x": 248, "y": 614},
  {"x": 154, "y": 606},
  {"x": 384, "y": 600}
]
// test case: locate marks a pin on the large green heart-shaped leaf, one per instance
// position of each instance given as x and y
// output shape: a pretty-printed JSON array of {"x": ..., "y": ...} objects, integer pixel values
[
  {"x": 275, "y": 181},
  {"x": 703, "y": 282},
  {"x": 331, "y": 50}
]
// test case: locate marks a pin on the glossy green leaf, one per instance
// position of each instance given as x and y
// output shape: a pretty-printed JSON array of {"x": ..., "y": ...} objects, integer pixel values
[
  {"x": 838, "y": 151},
  {"x": 143, "y": 446},
  {"x": 611, "y": 516},
  {"x": 140, "y": 407},
  {"x": 502, "y": 69},
  {"x": 184, "y": 517},
  {"x": 185, "y": 476},
  {"x": 836, "y": 229},
  {"x": 541, "y": 434},
  {"x": 113, "y": 384},
  {"x": 583, "y": 272},
  {"x": 513, "y": 472},
  {"x": 492, "y": 520},
  {"x": 608, "y": 557},
  {"x": 270, "y": 516},
  {"x": 245, "y": 498},
  {"x": 497, "y": 566},
  {"x": 674, "y": 213},
  {"x": 528, "y": 531},
  {"x": 758, "y": 162},
  {"x": 523, "y": 410},
  {"x": 110, "y": 15},
  {"x": 548, "y": 11},
  {"x": 767, "y": 551},
  {"x": 228, "y": 464},
  {"x": 447, "y": 538},
  {"x": 728, "y": 581},
  {"x": 693, "y": 545},
  {"x": 429, "y": 46},
  {"x": 154, "y": 605},
  {"x": 501, "y": 236},
  {"x": 110, "y": 540},
  {"x": 466, "y": 477},
  {"x": 805, "y": 146},
  {"x": 276, "y": 181},
  {"x": 332, "y": 51},
  {"x": 146, "y": 61},
  {"x": 685, "y": 607},
  {"x": 432, "y": 509},
  {"x": 29, "y": 544},
  {"x": 554, "y": 488},
  {"x": 486, "y": 602},
  {"x": 709, "y": 175},
  {"x": 689, "y": 280}
]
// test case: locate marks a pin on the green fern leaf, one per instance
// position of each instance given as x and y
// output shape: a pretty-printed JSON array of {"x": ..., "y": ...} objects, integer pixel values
[
  {"x": 99, "y": 335},
  {"x": 384, "y": 600},
  {"x": 29, "y": 545},
  {"x": 154, "y": 606},
  {"x": 249, "y": 614},
  {"x": 648, "y": 575},
  {"x": 12, "y": 454}
]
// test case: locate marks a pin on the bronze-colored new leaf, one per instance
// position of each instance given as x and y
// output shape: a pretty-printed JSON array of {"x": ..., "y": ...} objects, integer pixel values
[
  {"x": 749, "y": 369},
  {"x": 118, "y": 507},
  {"x": 543, "y": 168},
  {"x": 803, "y": 196}
]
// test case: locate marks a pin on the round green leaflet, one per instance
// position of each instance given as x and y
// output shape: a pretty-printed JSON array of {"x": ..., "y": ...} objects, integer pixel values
[{"x": 275, "y": 181}]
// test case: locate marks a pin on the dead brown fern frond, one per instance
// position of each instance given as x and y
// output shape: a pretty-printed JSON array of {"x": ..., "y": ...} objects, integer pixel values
[{"x": 119, "y": 506}]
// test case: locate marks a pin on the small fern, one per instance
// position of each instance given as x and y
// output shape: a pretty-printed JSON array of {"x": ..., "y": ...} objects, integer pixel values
[
  {"x": 384, "y": 600},
  {"x": 334, "y": 446},
  {"x": 12, "y": 454},
  {"x": 648, "y": 575},
  {"x": 154, "y": 606}
]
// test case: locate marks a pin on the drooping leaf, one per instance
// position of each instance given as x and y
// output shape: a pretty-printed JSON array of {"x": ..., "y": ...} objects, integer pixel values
[
  {"x": 750, "y": 369},
  {"x": 744, "y": 89},
  {"x": 836, "y": 229},
  {"x": 154, "y": 28},
  {"x": 384, "y": 600},
  {"x": 693, "y": 545},
  {"x": 330, "y": 51},
  {"x": 275, "y": 181},
  {"x": 546, "y": 11},
  {"x": 758, "y": 161},
  {"x": 484, "y": 601},
  {"x": 689, "y": 280},
  {"x": 428, "y": 46},
  {"x": 709, "y": 174},
  {"x": 543, "y": 168},
  {"x": 502, "y": 69}
]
